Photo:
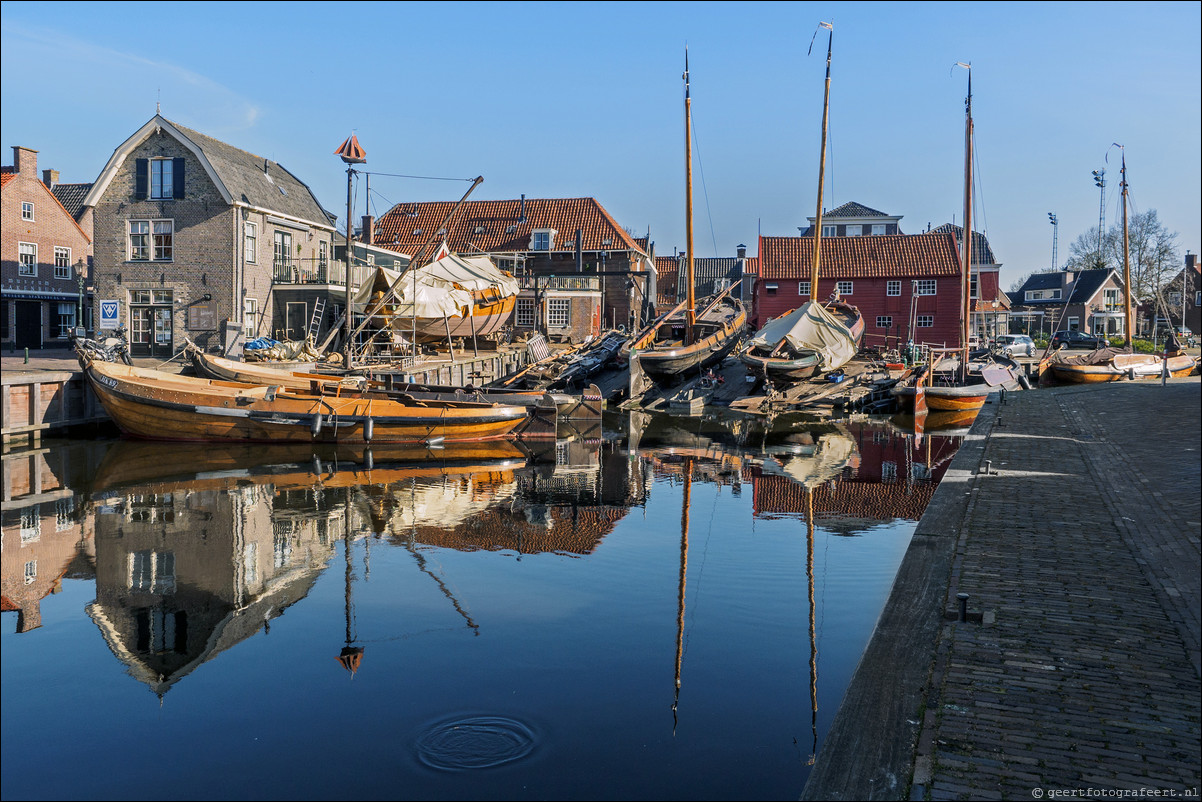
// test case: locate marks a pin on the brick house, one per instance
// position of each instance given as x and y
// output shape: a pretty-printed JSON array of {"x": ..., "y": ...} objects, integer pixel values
[
  {"x": 905, "y": 285},
  {"x": 45, "y": 256},
  {"x": 193, "y": 236},
  {"x": 567, "y": 291},
  {"x": 1085, "y": 300}
]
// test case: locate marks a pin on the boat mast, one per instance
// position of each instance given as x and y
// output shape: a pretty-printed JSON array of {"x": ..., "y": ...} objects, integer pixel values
[
  {"x": 684, "y": 564},
  {"x": 826, "y": 106},
  {"x": 1128, "y": 321},
  {"x": 965, "y": 286},
  {"x": 690, "y": 310}
]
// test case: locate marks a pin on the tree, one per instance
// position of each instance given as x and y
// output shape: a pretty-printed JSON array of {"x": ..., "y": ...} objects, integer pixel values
[{"x": 1152, "y": 247}]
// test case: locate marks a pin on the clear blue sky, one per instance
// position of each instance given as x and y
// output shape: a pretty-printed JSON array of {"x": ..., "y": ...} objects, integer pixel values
[{"x": 585, "y": 99}]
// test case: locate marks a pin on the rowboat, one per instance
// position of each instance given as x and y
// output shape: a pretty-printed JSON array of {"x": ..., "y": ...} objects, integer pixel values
[
  {"x": 800, "y": 343},
  {"x": 156, "y": 405},
  {"x": 216, "y": 367},
  {"x": 1110, "y": 364},
  {"x": 948, "y": 388}
]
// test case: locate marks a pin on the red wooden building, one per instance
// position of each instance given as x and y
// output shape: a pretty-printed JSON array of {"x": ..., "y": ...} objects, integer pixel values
[{"x": 907, "y": 286}]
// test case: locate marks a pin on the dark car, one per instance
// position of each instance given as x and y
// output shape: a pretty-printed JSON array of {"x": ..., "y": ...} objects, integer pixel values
[{"x": 1078, "y": 339}]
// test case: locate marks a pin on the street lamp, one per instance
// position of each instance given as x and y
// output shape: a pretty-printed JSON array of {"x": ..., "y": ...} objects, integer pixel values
[
  {"x": 1099, "y": 180},
  {"x": 81, "y": 270},
  {"x": 1055, "y": 237}
]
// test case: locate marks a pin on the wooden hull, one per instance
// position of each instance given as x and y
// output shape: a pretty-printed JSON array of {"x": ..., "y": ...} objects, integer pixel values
[
  {"x": 1123, "y": 366},
  {"x": 674, "y": 360},
  {"x": 780, "y": 371},
  {"x": 956, "y": 399},
  {"x": 163, "y": 406},
  {"x": 487, "y": 317}
]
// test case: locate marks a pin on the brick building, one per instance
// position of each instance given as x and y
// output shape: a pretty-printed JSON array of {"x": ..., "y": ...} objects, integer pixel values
[
  {"x": 45, "y": 256},
  {"x": 192, "y": 237},
  {"x": 907, "y": 286}
]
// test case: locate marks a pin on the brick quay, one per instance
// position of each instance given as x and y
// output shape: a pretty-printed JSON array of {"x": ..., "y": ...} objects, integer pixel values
[{"x": 1071, "y": 519}]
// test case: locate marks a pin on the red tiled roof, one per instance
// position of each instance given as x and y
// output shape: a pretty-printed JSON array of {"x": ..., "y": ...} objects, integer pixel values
[
  {"x": 496, "y": 227},
  {"x": 888, "y": 255},
  {"x": 6, "y": 176}
]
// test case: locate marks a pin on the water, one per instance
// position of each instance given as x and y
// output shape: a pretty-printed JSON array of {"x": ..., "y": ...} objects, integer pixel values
[{"x": 627, "y": 615}]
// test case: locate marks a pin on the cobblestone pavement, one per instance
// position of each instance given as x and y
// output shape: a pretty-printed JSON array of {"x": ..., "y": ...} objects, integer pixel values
[{"x": 1079, "y": 665}]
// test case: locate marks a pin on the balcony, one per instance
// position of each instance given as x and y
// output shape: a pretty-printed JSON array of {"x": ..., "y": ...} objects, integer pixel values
[
  {"x": 574, "y": 283},
  {"x": 318, "y": 271}
]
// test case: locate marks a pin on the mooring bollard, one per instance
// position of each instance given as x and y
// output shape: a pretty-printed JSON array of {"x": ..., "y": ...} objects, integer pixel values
[
  {"x": 963, "y": 597},
  {"x": 26, "y": 356}
]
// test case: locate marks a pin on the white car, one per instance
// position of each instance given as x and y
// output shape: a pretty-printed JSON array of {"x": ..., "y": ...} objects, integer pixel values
[{"x": 1015, "y": 344}]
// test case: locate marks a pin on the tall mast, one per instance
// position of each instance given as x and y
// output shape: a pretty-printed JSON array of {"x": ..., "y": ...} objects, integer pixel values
[
  {"x": 1128, "y": 320},
  {"x": 690, "y": 311},
  {"x": 684, "y": 564},
  {"x": 967, "y": 243},
  {"x": 826, "y": 107}
]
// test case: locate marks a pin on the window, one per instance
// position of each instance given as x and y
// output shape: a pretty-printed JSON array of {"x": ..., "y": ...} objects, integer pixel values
[
  {"x": 62, "y": 262},
  {"x": 162, "y": 185},
  {"x": 972, "y": 287},
  {"x": 64, "y": 510},
  {"x": 855, "y": 231},
  {"x": 525, "y": 312},
  {"x": 31, "y": 572},
  {"x": 830, "y": 231},
  {"x": 926, "y": 321},
  {"x": 322, "y": 259},
  {"x": 1111, "y": 300},
  {"x": 803, "y": 288},
  {"x": 770, "y": 289},
  {"x": 251, "y": 234},
  {"x": 924, "y": 286},
  {"x": 140, "y": 240},
  {"x": 844, "y": 287},
  {"x": 160, "y": 297},
  {"x": 28, "y": 256},
  {"x": 31, "y": 524},
  {"x": 892, "y": 288},
  {"x": 559, "y": 312},
  {"x": 283, "y": 249},
  {"x": 26, "y": 210},
  {"x": 1042, "y": 295},
  {"x": 884, "y": 321},
  {"x": 542, "y": 239},
  {"x": 888, "y": 471},
  {"x": 152, "y": 571},
  {"x": 250, "y": 312},
  {"x": 1174, "y": 298},
  {"x": 66, "y": 318},
  {"x": 877, "y": 229}
]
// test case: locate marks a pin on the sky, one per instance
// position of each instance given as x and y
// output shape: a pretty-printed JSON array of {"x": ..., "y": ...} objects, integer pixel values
[{"x": 584, "y": 99}]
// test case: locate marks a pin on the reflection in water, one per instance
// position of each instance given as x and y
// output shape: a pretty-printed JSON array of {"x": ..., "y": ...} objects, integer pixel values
[{"x": 195, "y": 551}]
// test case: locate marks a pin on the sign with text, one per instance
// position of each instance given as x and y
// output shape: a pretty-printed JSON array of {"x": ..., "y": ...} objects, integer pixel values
[
  {"x": 202, "y": 317},
  {"x": 110, "y": 314}
]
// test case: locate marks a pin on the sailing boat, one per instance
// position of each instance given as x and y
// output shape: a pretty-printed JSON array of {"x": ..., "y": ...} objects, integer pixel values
[
  {"x": 1112, "y": 364},
  {"x": 955, "y": 379},
  {"x": 684, "y": 342},
  {"x": 815, "y": 336}
]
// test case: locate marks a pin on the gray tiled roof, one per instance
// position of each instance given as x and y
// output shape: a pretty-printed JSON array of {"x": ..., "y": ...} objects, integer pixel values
[
  {"x": 71, "y": 197},
  {"x": 1085, "y": 285},
  {"x": 244, "y": 176},
  {"x": 982, "y": 254},
  {"x": 853, "y": 209}
]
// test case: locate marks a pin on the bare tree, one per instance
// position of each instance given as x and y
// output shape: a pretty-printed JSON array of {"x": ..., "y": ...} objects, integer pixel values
[{"x": 1153, "y": 249}]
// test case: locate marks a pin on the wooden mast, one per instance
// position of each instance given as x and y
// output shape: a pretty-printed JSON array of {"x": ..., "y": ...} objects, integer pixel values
[
  {"x": 965, "y": 285},
  {"x": 1128, "y": 319},
  {"x": 691, "y": 308},
  {"x": 684, "y": 564},
  {"x": 826, "y": 106}
]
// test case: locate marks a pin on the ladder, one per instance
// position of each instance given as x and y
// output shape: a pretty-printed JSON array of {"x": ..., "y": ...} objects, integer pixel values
[{"x": 319, "y": 309}]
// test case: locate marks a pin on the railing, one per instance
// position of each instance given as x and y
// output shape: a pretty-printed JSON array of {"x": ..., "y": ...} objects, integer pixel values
[
  {"x": 316, "y": 271},
  {"x": 579, "y": 283}
]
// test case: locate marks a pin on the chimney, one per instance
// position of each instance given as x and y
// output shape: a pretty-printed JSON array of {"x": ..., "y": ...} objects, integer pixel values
[
  {"x": 741, "y": 251},
  {"x": 1190, "y": 260},
  {"x": 522, "y": 216},
  {"x": 368, "y": 231},
  {"x": 579, "y": 251},
  {"x": 25, "y": 160},
  {"x": 50, "y": 178}
]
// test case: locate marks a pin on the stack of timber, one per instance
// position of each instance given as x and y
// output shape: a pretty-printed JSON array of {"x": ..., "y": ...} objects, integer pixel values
[{"x": 859, "y": 386}]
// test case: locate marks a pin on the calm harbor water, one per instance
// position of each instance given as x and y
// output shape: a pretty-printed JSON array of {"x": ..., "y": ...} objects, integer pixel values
[{"x": 659, "y": 608}]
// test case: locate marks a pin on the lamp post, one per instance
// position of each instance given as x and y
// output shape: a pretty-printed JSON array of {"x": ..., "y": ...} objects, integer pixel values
[
  {"x": 1055, "y": 237},
  {"x": 81, "y": 270}
]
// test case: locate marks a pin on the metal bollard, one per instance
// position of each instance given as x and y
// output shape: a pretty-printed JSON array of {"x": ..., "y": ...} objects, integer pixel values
[
  {"x": 963, "y": 597},
  {"x": 26, "y": 356}
]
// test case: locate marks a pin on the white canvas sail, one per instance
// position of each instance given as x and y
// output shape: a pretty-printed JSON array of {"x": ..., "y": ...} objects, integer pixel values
[{"x": 811, "y": 328}]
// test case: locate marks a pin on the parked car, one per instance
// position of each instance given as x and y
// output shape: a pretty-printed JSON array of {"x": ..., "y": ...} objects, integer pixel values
[
  {"x": 1075, "y": 338},
  {"x": 1015, "y": 344}
]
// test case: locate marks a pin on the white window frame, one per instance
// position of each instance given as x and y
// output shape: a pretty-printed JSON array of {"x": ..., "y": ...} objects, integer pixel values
[
  {"x": 539, "y": 236},
  {"x": 250, "y": 241},
  {"x": 62, "y": 262},
  {"x": 854, "y": 230},
  {"x": 803, "y": 287},
  {"x": 155, "y": 249},
  {"x": 845, "y": 287},
  {"x": 884, "y": 321},
  {"x": 524, "y": 313},
  {"x": 27, "y": 211},
  {"x": 559, "y": 313},
  {"x": 925, "y": 286},
  {"x": 250, "y": 310},
  {"x": 66, "y": 318},
  {"x": 925, "y": 321},
  {"x": 27, "y": 267},
  {"x": 157, "y": 179},
  {"x": 973, "y": 286},
  {"x": 770, "y": 288},
  {"x": 888, "y": 471},
  {"x": 830, "y": 231},
  {"x": 878, "y": 229},
  {"x": 281, "y": 249},
  {"x": 893, "y": 288}
]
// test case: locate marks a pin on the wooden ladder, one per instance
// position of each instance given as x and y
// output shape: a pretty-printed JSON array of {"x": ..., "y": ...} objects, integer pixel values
[{"x": 319, "y": 310}]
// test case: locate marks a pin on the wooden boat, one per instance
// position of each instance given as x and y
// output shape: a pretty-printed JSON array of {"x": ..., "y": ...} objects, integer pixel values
[
  {"x": 215, "y": 367},
  {"x": 814, "y": 337},
  {"x": 155, "y": 405},
  {"x": 683, "y": 342}
]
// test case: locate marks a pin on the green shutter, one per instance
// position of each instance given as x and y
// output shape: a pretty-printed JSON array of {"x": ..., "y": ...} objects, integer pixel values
[{"x": 141, "y": 179}]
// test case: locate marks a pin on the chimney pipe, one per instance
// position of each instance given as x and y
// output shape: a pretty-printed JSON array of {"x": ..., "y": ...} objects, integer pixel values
[
  {"x": 579, "y": 251},
  {"x": 522, "y": 216},
  {"x": 50, "y": 178},
  {"x": 368, "y": 231}
]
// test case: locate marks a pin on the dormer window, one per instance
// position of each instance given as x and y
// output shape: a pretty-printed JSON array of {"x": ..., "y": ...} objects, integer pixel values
[
  {"x": 542, "y": 239},
  {"x": 510, "y": 229},
  {"x": 479, "y": 230},
  {"x": 607, "y": 242},
  {"x": 417, "y": 232},
  {"x": 442, "y": 232},
  {"x": 855, "y": 231}
]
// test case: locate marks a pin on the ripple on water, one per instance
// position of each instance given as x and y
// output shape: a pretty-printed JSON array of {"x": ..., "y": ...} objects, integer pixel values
[{"x": 478, "y": 742}]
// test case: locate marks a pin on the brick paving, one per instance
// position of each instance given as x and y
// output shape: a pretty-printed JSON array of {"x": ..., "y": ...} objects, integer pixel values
[{"x": 1079, "y": 666}]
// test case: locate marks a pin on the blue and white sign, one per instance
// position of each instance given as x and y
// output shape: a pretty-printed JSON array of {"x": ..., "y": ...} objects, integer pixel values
[{"x": 110, "y": 314}]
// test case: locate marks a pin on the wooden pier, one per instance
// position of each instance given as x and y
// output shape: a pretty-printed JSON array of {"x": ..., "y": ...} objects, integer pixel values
[{"x": 39, "y": 402}]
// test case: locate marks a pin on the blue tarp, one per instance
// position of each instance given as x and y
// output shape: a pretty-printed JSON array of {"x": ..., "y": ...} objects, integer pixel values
[{"x": 260, "y": 342}]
